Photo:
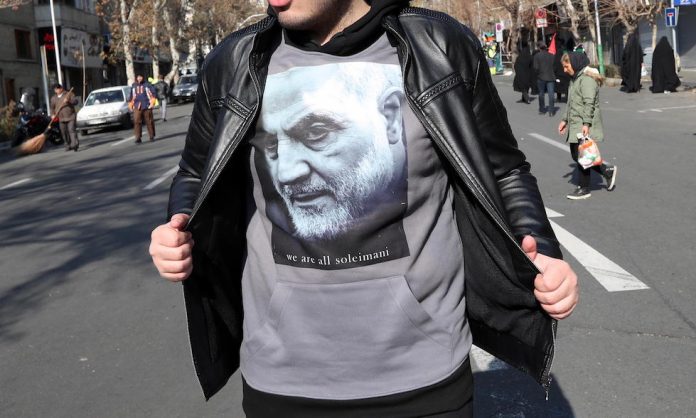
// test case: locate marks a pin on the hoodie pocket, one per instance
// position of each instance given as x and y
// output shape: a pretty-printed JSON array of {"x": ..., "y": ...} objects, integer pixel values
[{"x": 364, "y": 337}]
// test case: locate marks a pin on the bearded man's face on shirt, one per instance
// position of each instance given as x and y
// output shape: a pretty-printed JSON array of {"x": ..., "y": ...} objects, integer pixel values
[{"x": 333, "y": 147}]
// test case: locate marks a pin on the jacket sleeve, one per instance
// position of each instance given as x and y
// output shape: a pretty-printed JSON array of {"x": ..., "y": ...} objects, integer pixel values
[
  {"x": 187, "y": 182},
  {"x": 588, "y": 90},
  {"x": 518, "y": 187}
]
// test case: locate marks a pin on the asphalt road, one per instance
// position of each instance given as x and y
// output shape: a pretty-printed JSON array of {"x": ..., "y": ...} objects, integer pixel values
[{"x": 88, "y": 329}]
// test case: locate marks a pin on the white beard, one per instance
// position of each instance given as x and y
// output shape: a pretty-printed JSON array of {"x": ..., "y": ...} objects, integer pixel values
[{"x": 353, "y": 189}]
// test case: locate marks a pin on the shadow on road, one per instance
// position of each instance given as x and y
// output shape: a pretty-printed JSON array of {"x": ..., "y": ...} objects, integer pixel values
[{"x": 75, "y": 219}]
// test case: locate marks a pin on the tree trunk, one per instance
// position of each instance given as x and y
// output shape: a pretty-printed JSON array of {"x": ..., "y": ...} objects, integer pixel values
[
  {"x": 172, "y": 31},
  {"x": 590, "y": 19},
  {"x": 653, "y": 26},
  {"x": 126, "y": 41},
  {"x": 154, "y": 50},
  {"x": 573, "y": 16}
]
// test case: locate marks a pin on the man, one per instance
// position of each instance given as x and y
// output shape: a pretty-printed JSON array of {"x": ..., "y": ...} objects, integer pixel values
[
  {"x": 141, "y": 102},
  {"x": 364, "y": 313},
  {"x": 63, "y": 107},
  {"x": 162, "y": 88},
  {"x": 546, "y": 76}
]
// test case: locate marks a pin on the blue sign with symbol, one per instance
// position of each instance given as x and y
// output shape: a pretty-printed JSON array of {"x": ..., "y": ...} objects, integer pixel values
[
  {"x": 670, "y": 17},
  {"x": 684, "y": 2}
]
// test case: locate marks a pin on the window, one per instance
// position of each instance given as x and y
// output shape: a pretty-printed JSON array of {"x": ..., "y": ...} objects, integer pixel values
[{"x": 23, "y": 44}]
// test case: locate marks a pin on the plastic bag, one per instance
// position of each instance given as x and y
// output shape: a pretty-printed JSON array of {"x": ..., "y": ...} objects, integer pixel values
[{"x": 588, "y": 152}]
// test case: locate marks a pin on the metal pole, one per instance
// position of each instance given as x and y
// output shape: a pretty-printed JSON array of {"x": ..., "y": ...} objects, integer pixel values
[
  {"x": 44, "y": 77},
  {"x": 600, "y": 52},
  {"x": 677, "y": 58},
  {"x": 55, "y": 44}
]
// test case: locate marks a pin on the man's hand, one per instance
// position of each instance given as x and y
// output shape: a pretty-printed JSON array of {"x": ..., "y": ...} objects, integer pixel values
[
  {"x": 562, "y": 127},
  {"x": 585, "y": 131},
  {"x": 170, "y": 248},
  {"x": 556, "y": 288}
]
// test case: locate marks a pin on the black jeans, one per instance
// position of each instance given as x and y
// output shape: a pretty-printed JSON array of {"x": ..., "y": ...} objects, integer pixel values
[
  {"x": 584, "y": 174},
  {"x": 544, "y": 87}
]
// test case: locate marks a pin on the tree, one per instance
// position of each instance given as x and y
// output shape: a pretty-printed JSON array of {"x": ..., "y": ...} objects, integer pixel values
[{"x": 630, "y": 13}]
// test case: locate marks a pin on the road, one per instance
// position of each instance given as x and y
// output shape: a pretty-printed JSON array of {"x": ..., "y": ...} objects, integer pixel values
[{"x": 87, "y": 329}]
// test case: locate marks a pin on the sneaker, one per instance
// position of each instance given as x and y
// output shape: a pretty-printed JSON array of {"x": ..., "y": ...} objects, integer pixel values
[
  {"x": 610, "y": 176},
  {"x": 579, "y": 193}
]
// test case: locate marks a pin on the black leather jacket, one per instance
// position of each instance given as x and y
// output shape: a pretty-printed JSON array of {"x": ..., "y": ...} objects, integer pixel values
[{"x": 448, "y": 85}]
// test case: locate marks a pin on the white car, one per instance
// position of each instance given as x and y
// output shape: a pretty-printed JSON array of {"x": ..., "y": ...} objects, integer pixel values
[{"x": 105, "y": 107}]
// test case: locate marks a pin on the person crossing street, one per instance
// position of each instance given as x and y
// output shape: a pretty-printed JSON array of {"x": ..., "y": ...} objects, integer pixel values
[{"x": 141, "y": 102}]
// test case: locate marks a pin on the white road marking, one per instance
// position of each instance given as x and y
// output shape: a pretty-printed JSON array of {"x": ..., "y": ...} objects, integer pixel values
[
  {"x": 549, "y": 141},
  {"x": 486, "y": 362},
  {"x": 661, "y": 109},
  {"x": 161, "y": 178},
  {"x": 550, "y": 213},
  {"x": 130, "y": 138},
  {"x": 606, "y": 272},
  {"x": 16, "y": 183}
]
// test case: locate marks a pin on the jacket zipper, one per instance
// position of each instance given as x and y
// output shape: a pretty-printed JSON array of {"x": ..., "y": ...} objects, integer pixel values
[{"x": 476, "y": 188}]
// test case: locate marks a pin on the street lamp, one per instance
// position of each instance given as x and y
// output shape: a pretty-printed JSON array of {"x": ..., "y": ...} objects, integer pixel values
[
  {"x": 55, "y": 43},
  {"x": 600, "y": 54}
]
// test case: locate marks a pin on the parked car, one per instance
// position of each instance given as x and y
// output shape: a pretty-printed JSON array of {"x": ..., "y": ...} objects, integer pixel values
[
  {"x": 103, "y": 108},
  {"x": 185, "y": 89}
]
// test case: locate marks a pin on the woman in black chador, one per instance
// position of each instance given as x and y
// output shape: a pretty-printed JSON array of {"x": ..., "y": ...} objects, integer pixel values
[
  {"x": 631, "y": 62},
  {"x": 664, "y": 73},
  {"x": 524, "y": 73},
  {"x": 564, "y": 43}
]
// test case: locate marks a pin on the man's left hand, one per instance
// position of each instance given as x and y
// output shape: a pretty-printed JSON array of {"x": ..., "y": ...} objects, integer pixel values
[
  {"x": 585, "y": 130},
  {"x": 556, "y": 288}
]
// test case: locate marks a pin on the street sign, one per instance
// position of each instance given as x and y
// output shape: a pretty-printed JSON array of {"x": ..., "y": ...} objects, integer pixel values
[
  {"x": 684, "y": 3},
  {"x": 499, "y": 27},
  {"x": 671, "y": 15},
  {"x": 540, "y": 17}
]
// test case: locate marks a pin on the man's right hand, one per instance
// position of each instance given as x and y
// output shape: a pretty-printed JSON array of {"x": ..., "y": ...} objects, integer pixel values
[
  {"x": 562, "y": 127},
  {"x": 170, "y": 248}
]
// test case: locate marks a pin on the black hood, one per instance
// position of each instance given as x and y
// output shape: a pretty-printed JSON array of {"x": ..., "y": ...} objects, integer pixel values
[{"x": 355, "y": 37}]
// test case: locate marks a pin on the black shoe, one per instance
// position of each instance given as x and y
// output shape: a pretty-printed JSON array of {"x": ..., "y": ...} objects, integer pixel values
[
  {"x": 68, "y": 149},
  {"x": 610, "y": 176},
  {"x": 152, "y": 139},
  {"x": 542, "y": 112},
  {"x": 579, "y": 193},
  {"x": 164, "y": 120},
  {"x": 75, "y": 149},
  {"x": 552, "y": 113},
  {"x": 138, "y": 141}
]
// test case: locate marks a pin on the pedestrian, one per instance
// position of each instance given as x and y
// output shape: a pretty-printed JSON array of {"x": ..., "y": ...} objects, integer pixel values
[
  {"x": 523, "y": 72},
  {"x": 63, "y": 107},
  {"x": 564, "y": 43},
  {"x": 584, "y": 117},
  {"x": 348, "y": 168},
  {"x": 631, "y": 64},
  {"x": 141, "y": 102},
  {"x": 664, "y": 74},
  {"x": 162, "y": 88},
  {"x": 546, "y": 79}
]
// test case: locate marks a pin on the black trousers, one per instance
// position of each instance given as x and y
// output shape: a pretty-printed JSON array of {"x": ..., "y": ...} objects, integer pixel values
[
  {"x": 451, "y": 398},
  {"x": 584, "y": 174},
  {"x": 67, "y": 131}
]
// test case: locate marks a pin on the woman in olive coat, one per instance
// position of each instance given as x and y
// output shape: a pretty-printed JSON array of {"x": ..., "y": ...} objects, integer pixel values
[{"x": 583, "y": 118}]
